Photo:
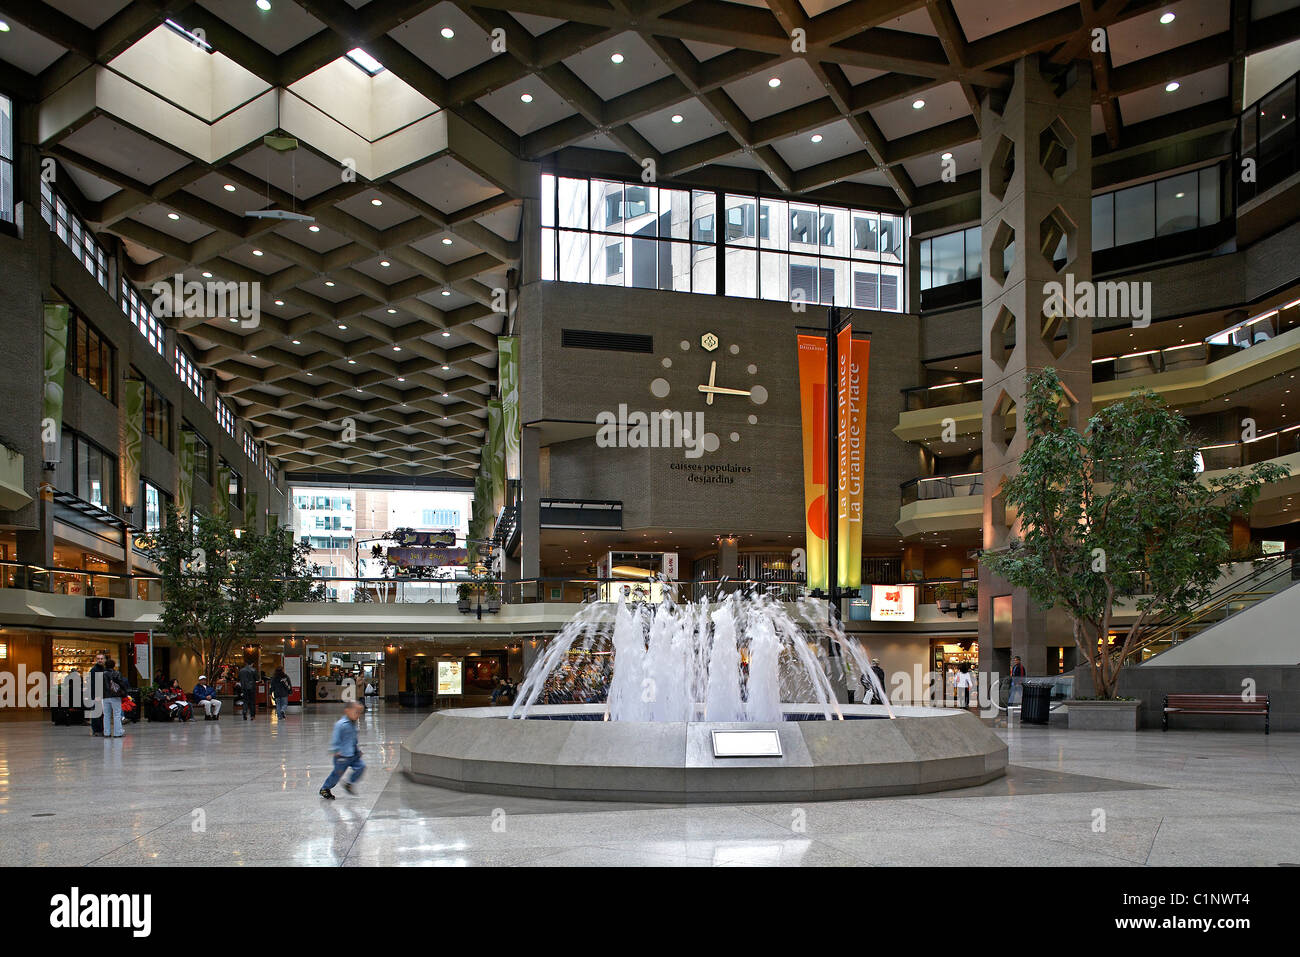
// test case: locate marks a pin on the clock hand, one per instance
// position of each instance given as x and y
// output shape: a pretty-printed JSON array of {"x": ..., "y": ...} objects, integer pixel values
[
  {"x": 713, "y": 371},
  {"x": 712, "y": 390}
]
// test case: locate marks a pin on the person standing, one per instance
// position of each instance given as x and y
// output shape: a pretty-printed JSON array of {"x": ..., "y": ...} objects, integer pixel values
[
  {"x": 93, "y": 689},
  {"x": 206, "y": 696},
  {"x": 1017, "y": 680},
  {"x": 114, "y": 690},
  {"x": 248, "y": 688},
  {"x": 880, "y": 678},
  {"x": 281, "y": 688},
  {"x": 346, "y": 754},
  {"x": 962, "y": 685}
]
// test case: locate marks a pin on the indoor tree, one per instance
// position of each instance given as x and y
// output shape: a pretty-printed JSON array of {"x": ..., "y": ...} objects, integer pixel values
[
  {"x": 1117, "y": 512},
  {"x": 219, "y": 582}
]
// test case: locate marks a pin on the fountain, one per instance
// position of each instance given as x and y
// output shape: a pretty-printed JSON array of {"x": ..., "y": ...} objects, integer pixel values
[{"x": 728, "y": 701}]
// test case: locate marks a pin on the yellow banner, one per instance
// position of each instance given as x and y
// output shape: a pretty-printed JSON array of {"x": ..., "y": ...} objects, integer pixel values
[
  {"x": 852, "y": 357},
  {"x": 814, "y": 409}
]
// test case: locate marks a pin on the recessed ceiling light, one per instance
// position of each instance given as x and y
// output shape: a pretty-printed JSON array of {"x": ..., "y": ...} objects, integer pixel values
[
  {"x": 1171, "y": 86},
  {"x": 252, "y": 357},
  {"x": 264, "y": 5},
  {"x": 314, "y": 228},
  {"x": 677, "y": 117},
  {"x": 234, "y": 318},
  {"x": 297, "y": 342},
  {"x": 229, "y": 187},
  {"x": 173, "y": 216},
  {"x": 616, "y": 58},
  {"x": 448, "y": 33},
  {"x": 1167, "y": 17},
  {"x": 445, "y": 368},
  {"x": 774, "y": 82},
  {"x": 816, "y": 137},
  {"x": 376, "y": 202},
  {"x": 279, "y": 302},
  {"x": 330, "y": 283},
  {"x": 401, "y": 378},
  {"x": 4, "y": 27},
  {"x": 446, "y": 241},
  {"x": 341, "y": 326},
  {"x": 946, "y": 156},
  {"x": 446, "y": 292},
  {"x": 352, "y": 362},
  {"x": 918, "y": 104},
  {"x": 257, "y": 252},
  {"x": 397, "y": 348},
  {"x": 526, "y": 97},
  {"x": 207, "y": 275},
  {"x": 365, "y": 61},
  {"x": 385, "y": 263},
  {"x": 392, "y": 312},
  {"x": 446, "y": 335},
  {"x": 444, "y": 395},
  {"x": 311, "y": 373}
]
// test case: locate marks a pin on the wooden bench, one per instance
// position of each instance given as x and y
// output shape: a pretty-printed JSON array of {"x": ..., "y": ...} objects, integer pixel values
[{"x": 1229, "y": 704}]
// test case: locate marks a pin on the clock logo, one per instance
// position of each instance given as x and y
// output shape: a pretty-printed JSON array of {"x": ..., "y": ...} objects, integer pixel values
[{"x": 729, "y": 383}]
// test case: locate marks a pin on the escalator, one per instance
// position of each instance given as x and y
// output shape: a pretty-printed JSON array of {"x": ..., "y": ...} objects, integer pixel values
[{"x": 1269, "y": 576}]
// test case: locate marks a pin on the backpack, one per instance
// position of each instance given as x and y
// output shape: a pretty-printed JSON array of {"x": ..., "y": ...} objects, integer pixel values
[{"x": 114, "y": 685}]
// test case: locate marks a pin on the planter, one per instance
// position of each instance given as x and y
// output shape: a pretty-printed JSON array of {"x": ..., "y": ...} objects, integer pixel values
[
  {"x": 415, "y": 699},
  {"x": 494, "y": 605},
  {"x": 1103, "y": 715},
  {"x": 462, "y": 606}
]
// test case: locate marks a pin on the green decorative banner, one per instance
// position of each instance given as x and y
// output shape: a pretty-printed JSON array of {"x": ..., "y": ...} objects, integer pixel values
[
  {"x": 508, "y": 372},
  {"x": 495, "y": 459},
  {"x": 133, "y": 396},
  {"x": 252, "y": 520},
  {"x": 185, "y": 485},
  {"x": 56, "y": 353},
  {"x": 221, "y": 500}
]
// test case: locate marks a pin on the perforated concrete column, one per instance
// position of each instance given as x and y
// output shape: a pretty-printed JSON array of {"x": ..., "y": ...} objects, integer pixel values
[{"x": 1036, "y": 206}]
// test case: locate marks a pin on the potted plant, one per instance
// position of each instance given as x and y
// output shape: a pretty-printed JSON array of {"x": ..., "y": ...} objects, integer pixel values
[
  {"x": 493, "y": 593},
  {"x": 463, "y": 592},
  {"x": 971, "y": 591},
  {"x": 943, "y": 595}
]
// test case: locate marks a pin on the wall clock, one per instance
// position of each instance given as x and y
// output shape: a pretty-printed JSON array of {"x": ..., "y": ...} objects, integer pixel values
[{"x": 711, "y": 375}]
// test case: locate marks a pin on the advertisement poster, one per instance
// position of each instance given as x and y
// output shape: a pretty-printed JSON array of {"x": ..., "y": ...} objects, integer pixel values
[
  {"x": 813, "y": 412},
  {"x": 450, "y": 677},
  {"x": 142, "y": 662},
  {"x": 293, "y": 668},
  {"x": 893, "y": 603}
]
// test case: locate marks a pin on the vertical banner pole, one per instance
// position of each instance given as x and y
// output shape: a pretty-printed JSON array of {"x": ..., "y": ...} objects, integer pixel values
[{"x": 832, "y": 463}]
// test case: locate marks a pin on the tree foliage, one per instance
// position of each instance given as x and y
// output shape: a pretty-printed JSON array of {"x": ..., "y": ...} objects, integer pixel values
[
  {"x": 217, "y": 585},
  {"x": 1117, "y": 512}
]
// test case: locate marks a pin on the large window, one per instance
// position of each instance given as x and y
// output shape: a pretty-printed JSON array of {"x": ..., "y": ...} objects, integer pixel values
[
  {"x": 142, "y": 318},
  {"x": 950, "y": 258},
  {"x": 1173, "y": 204},
  {"x": 90, "y": 357},
  {"x": 234, "y": 485},
  {"x": 440, "y": 518},
  {"x": 6, "y": 160},
  {"x": 76, "y": 234},
  {"x": 226, "y": 417},
  {"x": 202, "y": 454},
  {"x": 189, "y": 373},
  {"x": 154, "y": 502},
  {"x": 87, "y": 471},
  {"x": 157, "y": 414},
  {"x": 736, "y": 244}
]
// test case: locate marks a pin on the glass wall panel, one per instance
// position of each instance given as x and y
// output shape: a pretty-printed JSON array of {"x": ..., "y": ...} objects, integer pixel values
[
  {"x": 606, "y": 206},
  {"x": 573, "y": 257},
  {"x": 548, "y": 200},
  {"x": 742, "y": 271},
  {"x": 1103, "y": 221},
  {"x": 1177, "y": 199},
  {"x": 548, "y": 254},
  {"x": 866, "y": 286},
  {"x": 947, "y": 259},
  {"x": 835, "y": 231},
  {"x": 675, "y": 213},
  {"x": 774, "y": 224},
  {"x": 1135, "y": 214},
  {"x": 704, "y": 269},
  {"x": 891, "y": 238},
  {"x": 773, "y": 278},
  {"x": 973, "y": 238},
  {"x": 866, "y": 235},
  {"x": 573, "y": 205},
  {"x": 742, "y": 220}
]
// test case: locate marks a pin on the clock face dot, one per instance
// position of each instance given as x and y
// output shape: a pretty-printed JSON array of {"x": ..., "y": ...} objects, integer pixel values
[
  {"x": 758, "y": 395},
  {"x": 685, "y": 346},
  {"x": 659, "y": 388},
  {"x": 753, "y": 369},
  {"x": 711, "y": 442},
  {"x": 753, "y": 420},
  {"x": 735, "y": 436},
  {"x": 734, "y": 349},
  {"x": 667, "y": 363}
]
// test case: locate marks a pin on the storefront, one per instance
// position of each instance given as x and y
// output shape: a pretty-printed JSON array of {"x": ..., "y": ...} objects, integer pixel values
[{"x": 947, "y": 658}]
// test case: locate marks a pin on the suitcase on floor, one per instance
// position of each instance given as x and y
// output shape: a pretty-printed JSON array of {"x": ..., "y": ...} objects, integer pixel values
[{"x": 68, "y": 716}]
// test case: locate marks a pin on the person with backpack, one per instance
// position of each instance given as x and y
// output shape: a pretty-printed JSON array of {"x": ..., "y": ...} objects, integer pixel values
[
  {"x": 248, "y": 688},
  {"x": 115, "y": 689},
  {"x": 281, "y": 688}
]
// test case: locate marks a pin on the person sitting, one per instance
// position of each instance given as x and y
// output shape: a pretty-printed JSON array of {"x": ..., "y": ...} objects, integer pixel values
[{"x": 206, "y": 696}]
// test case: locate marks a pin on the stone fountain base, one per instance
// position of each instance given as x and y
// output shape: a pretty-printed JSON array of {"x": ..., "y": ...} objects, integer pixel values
[{"x": 919, "y": 751}]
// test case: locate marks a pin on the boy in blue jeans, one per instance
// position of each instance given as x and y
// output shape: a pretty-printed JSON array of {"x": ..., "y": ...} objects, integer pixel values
[{"x": 346, "y": 753}]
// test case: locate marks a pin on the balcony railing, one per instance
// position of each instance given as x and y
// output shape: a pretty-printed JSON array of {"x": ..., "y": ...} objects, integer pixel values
[
  {"x": 948, "y": 393},
  {"x": 1267, "y": 136},
  {"x": 943, "y": 486}
]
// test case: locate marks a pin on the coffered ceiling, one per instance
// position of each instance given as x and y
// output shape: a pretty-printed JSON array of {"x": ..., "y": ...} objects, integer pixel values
[{"x": 387, "y": 312}]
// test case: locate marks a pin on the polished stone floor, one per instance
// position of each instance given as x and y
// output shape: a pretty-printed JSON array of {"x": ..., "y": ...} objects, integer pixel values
[{"x": 234, "y": 792}]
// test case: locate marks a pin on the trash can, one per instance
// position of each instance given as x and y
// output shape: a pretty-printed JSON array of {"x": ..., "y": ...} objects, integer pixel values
[{"x": 1036, "y": 704}]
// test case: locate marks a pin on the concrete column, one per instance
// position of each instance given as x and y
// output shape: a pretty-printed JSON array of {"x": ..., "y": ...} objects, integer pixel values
[
  {"x": 728, "y": 557},
  {"x": 1036, "y": 191},
  {"x": 530, "y": 512}
]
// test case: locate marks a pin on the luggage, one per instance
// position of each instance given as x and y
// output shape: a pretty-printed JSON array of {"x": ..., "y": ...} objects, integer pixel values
[{"x": 68, "y": 716}]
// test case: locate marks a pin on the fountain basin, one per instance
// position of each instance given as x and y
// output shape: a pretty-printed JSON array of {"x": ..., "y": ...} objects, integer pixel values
[{"x": 919, "y": 751}]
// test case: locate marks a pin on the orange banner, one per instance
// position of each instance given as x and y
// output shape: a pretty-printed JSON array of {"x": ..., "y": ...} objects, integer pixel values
[
  {"x": 852, "y": 357},
  {"x": 813, "y": 408}
]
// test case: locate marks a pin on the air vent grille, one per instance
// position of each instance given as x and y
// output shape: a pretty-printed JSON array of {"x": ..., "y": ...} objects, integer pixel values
[{"x": 607, "y": 341}]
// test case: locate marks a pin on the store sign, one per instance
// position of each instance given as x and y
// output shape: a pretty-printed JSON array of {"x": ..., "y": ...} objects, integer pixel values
[
  {"x": 142, "y": 663},
  {"x": 450, "y": 677},
  {"x": 670, "y": 566},
  {"x": 893, "y": 603}
]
